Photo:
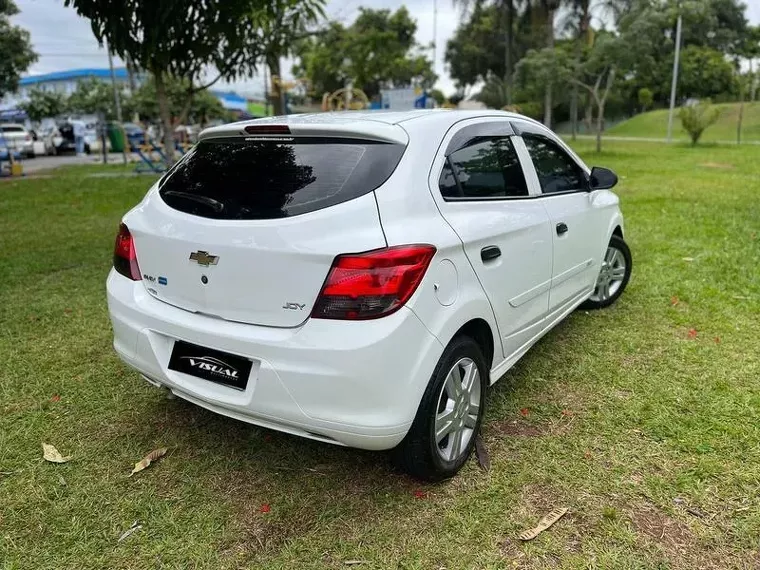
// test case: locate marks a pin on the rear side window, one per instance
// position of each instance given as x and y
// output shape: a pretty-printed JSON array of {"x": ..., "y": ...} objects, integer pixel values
[
  {"x": 244, "y": 179},
  {"x": 486, "y": 168}
]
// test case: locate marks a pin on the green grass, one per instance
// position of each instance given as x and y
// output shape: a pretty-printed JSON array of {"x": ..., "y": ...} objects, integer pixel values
[
  {"x": 650, "y": 436},
  {"x": 654, "y": 124}
]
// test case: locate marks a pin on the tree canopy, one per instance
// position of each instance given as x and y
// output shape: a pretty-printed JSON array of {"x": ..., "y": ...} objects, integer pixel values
[
  {"x": 16, "y": 54},
  {"x": 715, "y": 35},
  {"x": 378, "y": 50},
  {"x": 182, "y": 38}
]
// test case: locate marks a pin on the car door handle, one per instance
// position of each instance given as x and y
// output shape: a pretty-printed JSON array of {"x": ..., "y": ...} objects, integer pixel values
[
  {"x": 489, "y": 252},
  {"x": 562, "y": 228}
]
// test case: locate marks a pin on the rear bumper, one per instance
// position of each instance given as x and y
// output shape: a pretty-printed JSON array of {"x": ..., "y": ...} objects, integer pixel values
[{"x": 353, "y": 383}]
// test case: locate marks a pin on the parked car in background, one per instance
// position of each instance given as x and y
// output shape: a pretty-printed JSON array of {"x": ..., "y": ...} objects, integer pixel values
[
  {"x": 363, "y": 278},
  {"x": 15, "y": 136}
]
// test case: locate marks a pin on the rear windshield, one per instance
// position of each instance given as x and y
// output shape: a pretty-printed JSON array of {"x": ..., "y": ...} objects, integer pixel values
[
  {"x": 7, "y": 129},
  {"x": 256, "y": 179}
]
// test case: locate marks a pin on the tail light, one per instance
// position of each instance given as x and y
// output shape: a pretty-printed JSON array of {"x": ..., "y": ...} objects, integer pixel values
[
  {"x": 124, "y": 255},
  {"x": 373, "y": 284}
]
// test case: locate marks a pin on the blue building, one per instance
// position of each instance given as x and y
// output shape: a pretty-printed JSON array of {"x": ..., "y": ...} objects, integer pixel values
[{"x": 65, "y": 82}]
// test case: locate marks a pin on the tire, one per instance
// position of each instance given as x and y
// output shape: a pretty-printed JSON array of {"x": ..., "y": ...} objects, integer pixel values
[
  {"x": 421, "y": 454},
  {"x": 613, "y": 275}
]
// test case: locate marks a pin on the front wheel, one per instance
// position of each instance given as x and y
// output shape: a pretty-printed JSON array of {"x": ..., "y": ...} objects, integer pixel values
[
  {"x": 613, "y": 275},
  {"x": 443, "y": 433}
]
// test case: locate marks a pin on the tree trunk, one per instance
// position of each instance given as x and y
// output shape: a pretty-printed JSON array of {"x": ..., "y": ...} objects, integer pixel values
[
  {"x": 599, "y": 127},
  {"x": 741, "y": 118},
  {"x": 550, "y": 45},
  {"x": 183, "y": 115},
  {"x": 276, "y": 96},
  {"x": 583, "y": 37},
  {"x": 574, "y": 112},
  {"x": 509, "y": 9},
  {"x": 753, "y": 81},
  {"x": 166, "y": 117}
]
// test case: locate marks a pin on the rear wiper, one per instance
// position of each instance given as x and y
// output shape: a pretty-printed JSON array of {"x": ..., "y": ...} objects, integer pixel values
[{"x": 215, "y": 205}]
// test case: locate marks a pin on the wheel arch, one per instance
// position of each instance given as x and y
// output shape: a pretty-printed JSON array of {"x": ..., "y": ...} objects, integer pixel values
[{"x": 480, "y": 331}]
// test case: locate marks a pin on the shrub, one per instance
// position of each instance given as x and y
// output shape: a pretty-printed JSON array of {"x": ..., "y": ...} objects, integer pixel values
[
  {"x": 696, "y": 117},
  {"x": 532, "y": 109},
  {"x": 646, "y": 98}
]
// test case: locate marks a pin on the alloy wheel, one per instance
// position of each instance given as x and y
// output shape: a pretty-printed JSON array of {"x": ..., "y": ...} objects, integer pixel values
[
  {"x": 458, "y": 409},
  {"x": 611, "y": 275}
]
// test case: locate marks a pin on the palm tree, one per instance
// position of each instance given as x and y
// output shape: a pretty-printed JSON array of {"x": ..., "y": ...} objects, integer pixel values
[
  {"x": 549, "y": 7},
  {"x": 578, "y": 24}
]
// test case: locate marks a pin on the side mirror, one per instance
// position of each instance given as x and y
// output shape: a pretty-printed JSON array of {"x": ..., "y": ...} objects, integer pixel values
[{"x": 602, "y": 178}]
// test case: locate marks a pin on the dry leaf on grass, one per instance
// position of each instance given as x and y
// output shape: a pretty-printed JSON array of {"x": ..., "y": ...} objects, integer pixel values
[
  {"x": 543, "y": 524},
  {"x": 148, "y": 459},
  {"x": 127, "y": 533},
  {"x": 50, "y": 453},
  {"x": 484, "y": 460}
]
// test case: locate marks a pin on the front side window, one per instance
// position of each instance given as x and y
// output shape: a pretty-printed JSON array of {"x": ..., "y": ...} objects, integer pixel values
[
  {"x": 556, "y": 171},
  {"x": 487, "y": 168}
]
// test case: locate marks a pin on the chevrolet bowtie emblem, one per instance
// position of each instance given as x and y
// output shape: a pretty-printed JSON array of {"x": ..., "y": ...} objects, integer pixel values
[{"x": 204, "y": 258}]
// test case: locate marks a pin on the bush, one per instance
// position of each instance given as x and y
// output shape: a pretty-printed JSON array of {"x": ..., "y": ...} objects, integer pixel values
[
  {"x": 696, "y": 117},
  {"x": 532, "y": 109},
  {"x": 646, "y": 98}
]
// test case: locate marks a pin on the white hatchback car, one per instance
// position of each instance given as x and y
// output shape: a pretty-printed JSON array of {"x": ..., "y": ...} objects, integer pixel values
[{"x": 361, "y": 278}]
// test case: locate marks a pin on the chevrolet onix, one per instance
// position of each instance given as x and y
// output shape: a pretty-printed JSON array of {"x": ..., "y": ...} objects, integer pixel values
[{"x": 362, "y": 278}]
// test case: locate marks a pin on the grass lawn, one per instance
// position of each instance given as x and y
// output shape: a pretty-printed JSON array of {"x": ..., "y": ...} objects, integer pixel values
[
  {"x": 654, "y": 124},
  {"x": 643, "y": 419}
]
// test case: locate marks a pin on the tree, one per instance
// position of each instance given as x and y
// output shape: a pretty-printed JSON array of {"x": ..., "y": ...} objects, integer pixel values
[
  {"x": 203, "y": 108},
  {"x": 549, "y": 7},
  {"x": 697, "y": 117},
  {"x": 704, "y": 72},
  {"x": 437, "y": 96},
  {"x": 321, "y": 59},
  {"x": 93, "y": 96},
  {"x": 290, "y": 23},
  {"x": 16, "y": 53},
  {"x": 595, "y": 73},
  {"x": 42, "y": 104},
  {"x": 494, "y": 24},
  {"x": 645, "y": 98},
  {"x": 181, "y": 38},
  {"x": 377, "y": 51},
  {"x": 475, "y": 50}
]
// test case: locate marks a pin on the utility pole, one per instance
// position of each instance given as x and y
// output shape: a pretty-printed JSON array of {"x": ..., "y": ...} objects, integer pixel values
[
  {"x": 675, "y": 79},
  {"x": 266, "y": 92},
  {"x": 117, "y": 103},
  {"x": 435, "y": 31}
]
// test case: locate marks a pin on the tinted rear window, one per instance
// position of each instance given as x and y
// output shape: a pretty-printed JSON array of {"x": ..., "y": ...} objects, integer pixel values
[
  {"x": 12, "y": 129},
  {"x": 239, "y": 179}
]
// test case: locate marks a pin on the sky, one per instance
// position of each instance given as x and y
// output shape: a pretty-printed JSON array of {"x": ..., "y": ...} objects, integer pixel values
[{"x": 63, "y": 40}]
